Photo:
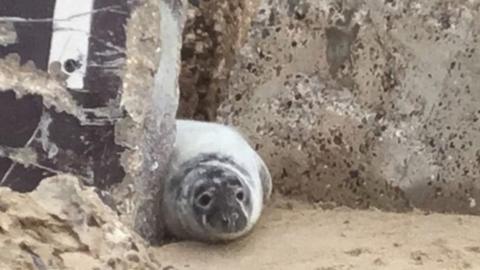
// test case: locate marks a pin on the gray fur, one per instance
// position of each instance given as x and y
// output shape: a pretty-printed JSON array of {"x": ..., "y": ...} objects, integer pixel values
[{"x": 216, "y": 184}]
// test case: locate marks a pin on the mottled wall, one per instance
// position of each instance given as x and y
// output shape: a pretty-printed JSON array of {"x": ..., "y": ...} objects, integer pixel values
[{"x": 363, "y": 103}]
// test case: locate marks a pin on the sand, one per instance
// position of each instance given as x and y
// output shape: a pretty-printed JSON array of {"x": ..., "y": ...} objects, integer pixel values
[{"x": 300, "y": 237}]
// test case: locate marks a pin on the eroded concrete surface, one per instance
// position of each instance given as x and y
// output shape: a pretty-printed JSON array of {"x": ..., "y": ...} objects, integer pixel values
[
  {"x": 364, "y": 103},
  {"x": 150, "y": 96},
  {"x": 117, "y": 132}
]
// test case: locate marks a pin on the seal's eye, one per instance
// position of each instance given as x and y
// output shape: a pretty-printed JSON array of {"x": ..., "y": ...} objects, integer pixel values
[
  {"x": 240, "y": 195},
  {"x": 204, "y": 200}
]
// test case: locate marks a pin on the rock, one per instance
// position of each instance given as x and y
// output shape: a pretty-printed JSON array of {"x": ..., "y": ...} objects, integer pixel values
[
  {"x": 364, "y": 103},
  {"x": 64, "y": 225}
]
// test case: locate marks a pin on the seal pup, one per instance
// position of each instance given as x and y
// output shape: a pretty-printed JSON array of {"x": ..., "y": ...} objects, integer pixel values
[{"x": 216, "y": 185}]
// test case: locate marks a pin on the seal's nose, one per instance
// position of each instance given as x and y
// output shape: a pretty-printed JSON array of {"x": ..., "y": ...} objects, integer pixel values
[
  {"x": 225, "y": 221},
  {"x": 230, "y": 222}
]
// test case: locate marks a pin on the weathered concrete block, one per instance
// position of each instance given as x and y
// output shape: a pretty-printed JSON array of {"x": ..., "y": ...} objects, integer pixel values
[
  {"x": 103, "y": 112},
  {"x": 364, "y": 103}
]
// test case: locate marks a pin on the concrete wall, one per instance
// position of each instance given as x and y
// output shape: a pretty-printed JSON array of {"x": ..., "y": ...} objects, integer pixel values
[{"x": 363, "y": 103}]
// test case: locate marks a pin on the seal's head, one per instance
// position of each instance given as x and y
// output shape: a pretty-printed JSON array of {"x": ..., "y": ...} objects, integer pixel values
[{"x": 218, "y": 201}]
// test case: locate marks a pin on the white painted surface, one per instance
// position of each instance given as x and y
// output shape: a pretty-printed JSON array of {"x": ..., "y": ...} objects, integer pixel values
[{"x": 71, "y": 31}]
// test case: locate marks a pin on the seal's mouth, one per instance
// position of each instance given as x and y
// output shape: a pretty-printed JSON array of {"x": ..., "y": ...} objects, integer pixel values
[{"x": 226, "y": 226}]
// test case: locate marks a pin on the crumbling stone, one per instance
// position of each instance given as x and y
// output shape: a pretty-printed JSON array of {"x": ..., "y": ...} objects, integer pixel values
[{"x": 64, "y": 225}]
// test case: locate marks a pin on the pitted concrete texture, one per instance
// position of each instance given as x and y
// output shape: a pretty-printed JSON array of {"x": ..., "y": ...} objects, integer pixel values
[{"x": 364, "y": 103}]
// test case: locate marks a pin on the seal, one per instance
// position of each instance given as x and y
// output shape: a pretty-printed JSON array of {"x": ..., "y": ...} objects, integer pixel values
[{"x": 216, "y": 186}]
